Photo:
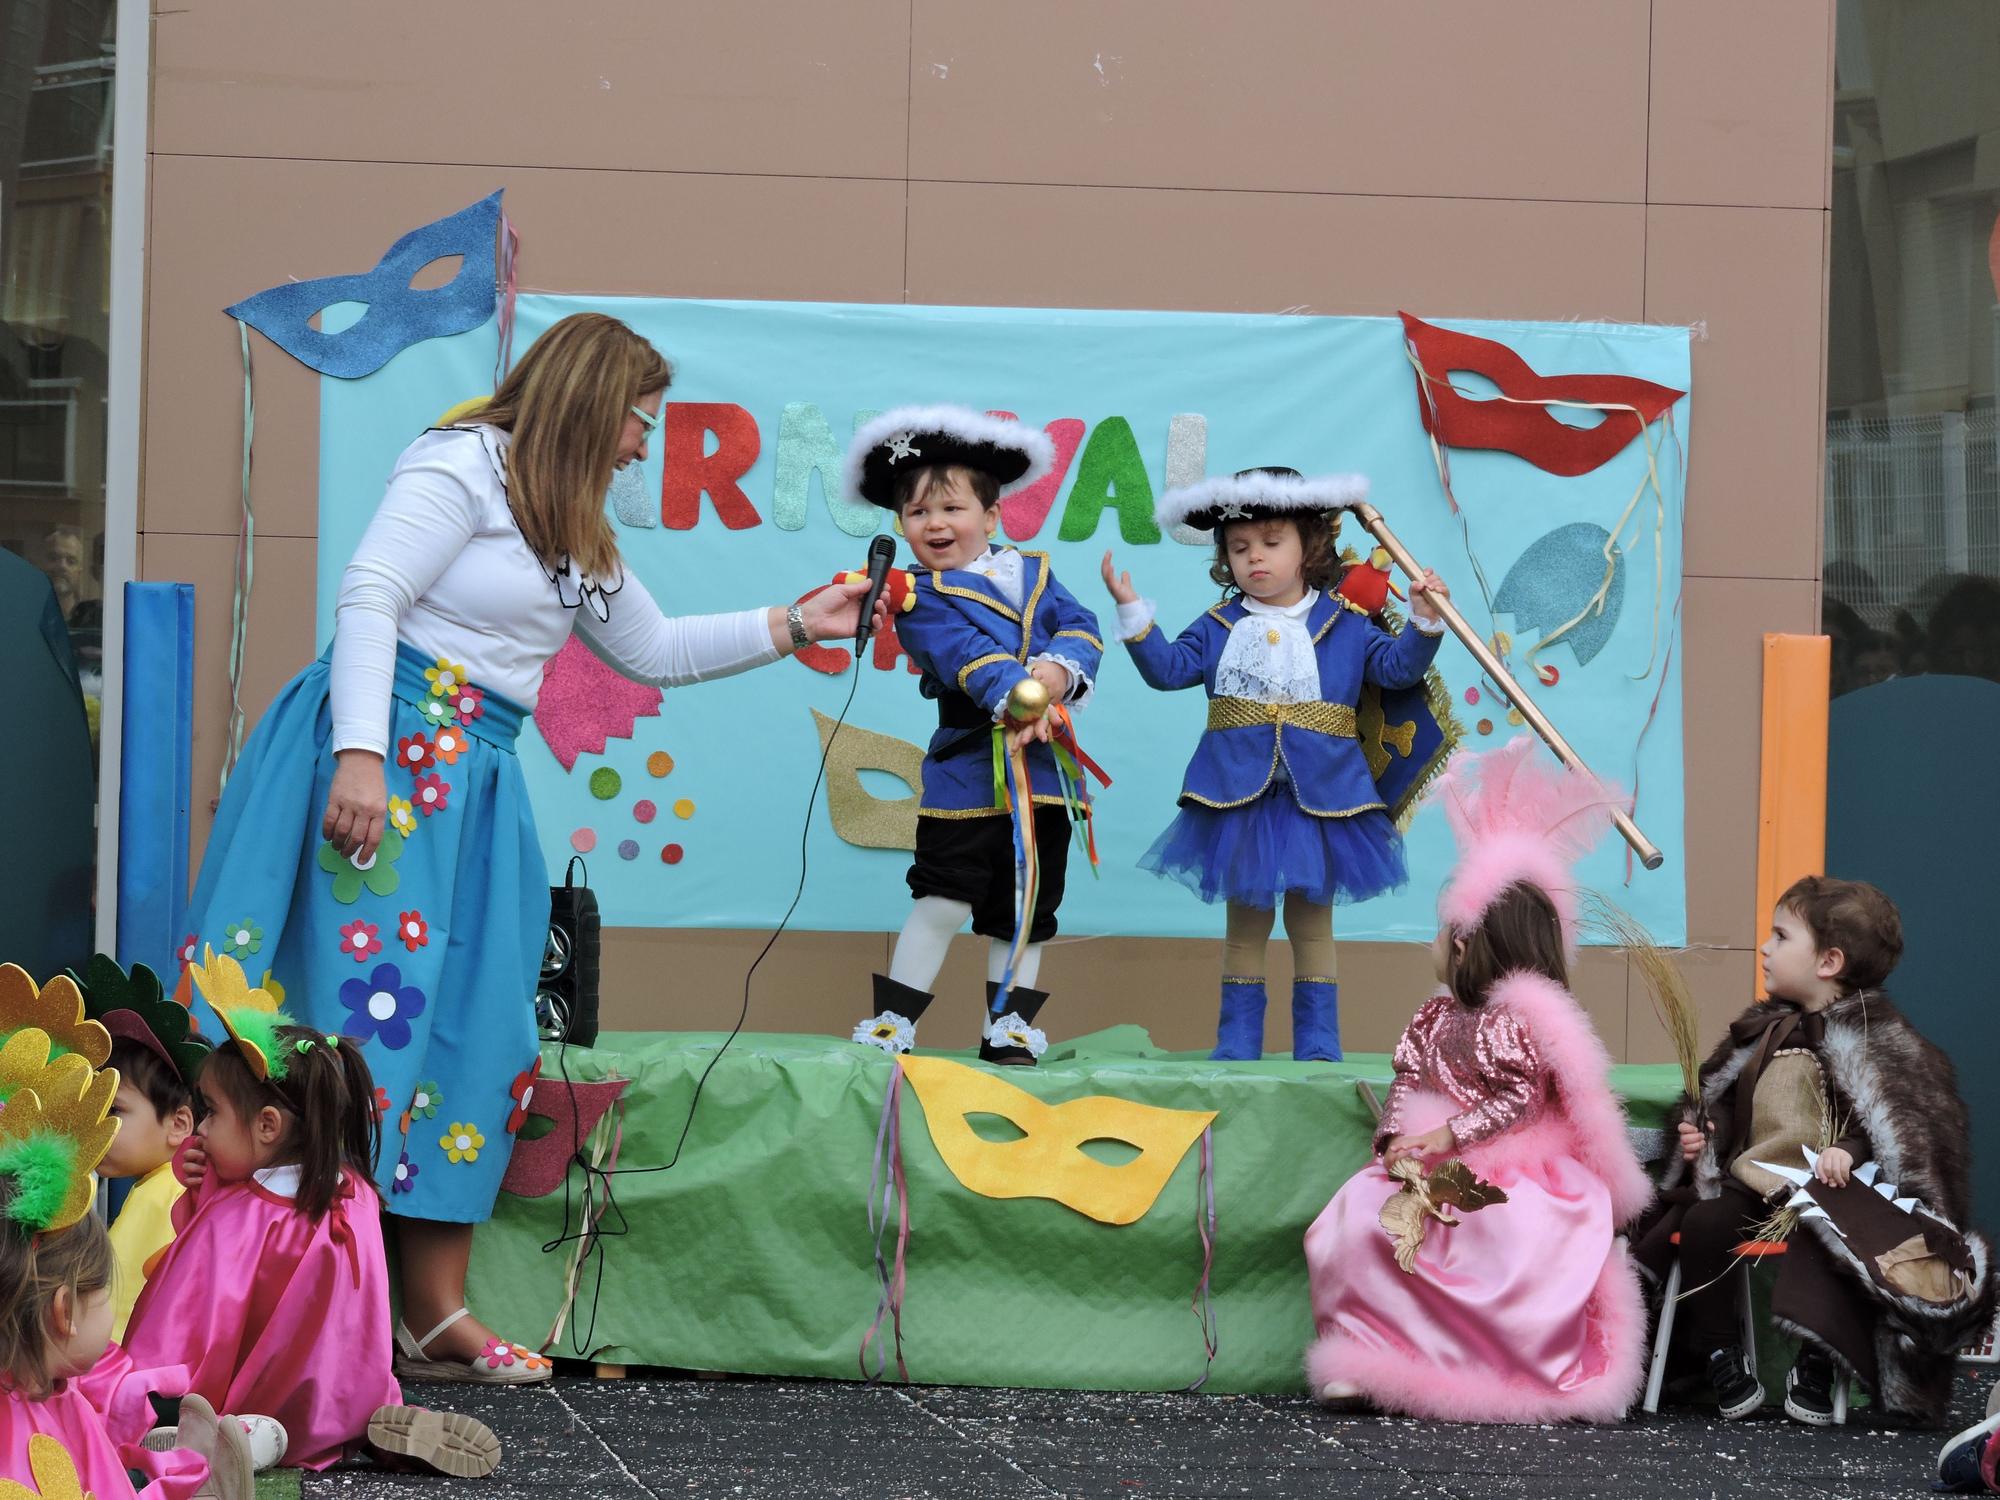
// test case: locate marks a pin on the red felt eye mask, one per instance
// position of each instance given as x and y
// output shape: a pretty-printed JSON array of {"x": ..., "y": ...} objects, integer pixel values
[{"x": 1529, "y": 432}]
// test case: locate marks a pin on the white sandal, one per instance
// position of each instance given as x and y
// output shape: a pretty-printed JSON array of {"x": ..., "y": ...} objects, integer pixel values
[{"x": 499, "y": 1363}]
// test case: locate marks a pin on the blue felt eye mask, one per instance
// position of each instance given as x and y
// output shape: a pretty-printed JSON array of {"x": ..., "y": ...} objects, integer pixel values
[{"x": 397, "y": 316}]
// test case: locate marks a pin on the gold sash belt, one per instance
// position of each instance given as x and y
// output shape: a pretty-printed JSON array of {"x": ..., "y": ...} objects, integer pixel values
[{"x": 1336, "y": 719}]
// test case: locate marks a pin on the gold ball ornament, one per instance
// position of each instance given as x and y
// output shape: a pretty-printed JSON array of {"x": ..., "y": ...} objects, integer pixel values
[{"x": 1029, "y": 700}]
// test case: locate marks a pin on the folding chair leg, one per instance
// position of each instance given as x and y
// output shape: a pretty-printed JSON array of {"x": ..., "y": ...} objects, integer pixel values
[
  {"x": 1746, "y": 1314},
  {"x": 1663, "y": 1337},
  {"x": 1840, "y": 1385}
]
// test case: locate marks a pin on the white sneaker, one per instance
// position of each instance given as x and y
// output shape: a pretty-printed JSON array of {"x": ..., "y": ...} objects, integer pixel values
[
  {"x": 265, "y": 1438},
  {"x": 220, "y": 1441},
  {"x": 1338, "y": 1395}
]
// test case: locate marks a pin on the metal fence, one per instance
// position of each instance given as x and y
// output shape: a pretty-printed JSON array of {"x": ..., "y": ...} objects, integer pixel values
[{"x": 1911, "y": 503}]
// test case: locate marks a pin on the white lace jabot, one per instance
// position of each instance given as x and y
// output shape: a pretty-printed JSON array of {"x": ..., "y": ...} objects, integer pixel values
[{"x": 1269, "y": 655}]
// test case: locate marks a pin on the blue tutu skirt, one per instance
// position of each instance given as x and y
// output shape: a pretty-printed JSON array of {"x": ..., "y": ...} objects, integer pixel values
[
  {"x": 428, "y": 958},
  {"x": 1256, "y": 854}
]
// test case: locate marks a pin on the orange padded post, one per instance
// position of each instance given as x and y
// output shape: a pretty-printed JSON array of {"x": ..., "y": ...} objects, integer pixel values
[{"x": 1791, "y": 789}]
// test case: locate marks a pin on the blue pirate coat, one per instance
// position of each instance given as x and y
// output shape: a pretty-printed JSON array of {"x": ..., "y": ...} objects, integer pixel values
[
  {"x": 972, "y": 646},
  {"x": 1317, "y": 744}
]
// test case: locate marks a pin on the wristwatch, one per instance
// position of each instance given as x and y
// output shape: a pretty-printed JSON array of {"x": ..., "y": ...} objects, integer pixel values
[{"x": 795, "y": 621}]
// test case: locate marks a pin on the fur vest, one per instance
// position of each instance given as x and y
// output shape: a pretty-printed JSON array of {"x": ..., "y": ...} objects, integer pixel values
[{"x": 1898, "y": 1096}]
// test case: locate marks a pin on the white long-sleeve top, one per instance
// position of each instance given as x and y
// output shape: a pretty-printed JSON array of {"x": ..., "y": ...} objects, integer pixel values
[{"x": 443, "y": 567}]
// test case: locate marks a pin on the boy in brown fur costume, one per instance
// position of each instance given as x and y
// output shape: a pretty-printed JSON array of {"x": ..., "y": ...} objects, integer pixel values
[{"x": 1829, "y": 1049}]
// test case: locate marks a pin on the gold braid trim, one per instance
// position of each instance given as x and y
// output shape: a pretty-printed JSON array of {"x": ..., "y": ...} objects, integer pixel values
[{"x": 1336, "y": 719}]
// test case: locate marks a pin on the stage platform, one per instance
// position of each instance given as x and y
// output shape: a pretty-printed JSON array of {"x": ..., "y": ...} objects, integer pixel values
[{"x": 754, "y": 1255}]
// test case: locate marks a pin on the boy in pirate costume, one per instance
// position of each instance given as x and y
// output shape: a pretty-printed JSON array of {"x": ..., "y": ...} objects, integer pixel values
[
  {"x": 987, "y": 620},
  {"x": 1826, "y": 1101}
]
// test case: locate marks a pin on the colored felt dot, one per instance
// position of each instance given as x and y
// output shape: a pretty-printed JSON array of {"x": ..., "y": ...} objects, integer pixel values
[
  {"x": 684, "y": 808},
  {"x": 1514, "y": 717},
  {"x": 1549, "y": 675},
  {"x": 673, "y": 854},
  {"x": 583, "y": 840},
  {"x": 659, "y": 763},
  {"x": 1485, "y": 726},
  {"x": 604, "y": 783},
  {"x": 628, "y": 849},
  {"x": 644, "y": 810},
  {"x": 1472, "y": 695}
]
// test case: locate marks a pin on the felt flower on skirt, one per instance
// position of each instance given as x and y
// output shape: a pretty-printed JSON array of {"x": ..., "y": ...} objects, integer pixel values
[
  {"x": 381, "y": 1102},
  {"x": 402, "y": 816},
  {"x": 470, "y": 703},
  {"x": 461, "y": 1143},
  {"x": 446, "y": 678},
  {"x": 522, "y": 1092},
  {"x": 239, "y": 938},
  {"x": 190, "y": 950},
  {"x": 500, "y": 1355},
  {"x": 424, "y": 1102},
  {"x": 360, "y": 940},
  {"x": 431, "y": 795},
  {"x": 413, "y": 930},
  {"x": 438, "y": 712},
  {"x": 406, "y": 1175},
  {"x": 377, "y": 875},
  {"x": 448, "y": 745},
  {"x": 415, "y": 753},
  {"x": 383, "y": 1006}
]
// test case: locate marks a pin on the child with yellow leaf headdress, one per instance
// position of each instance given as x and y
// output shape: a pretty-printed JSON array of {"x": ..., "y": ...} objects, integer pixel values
[
  {"x": 65, "y": 1389},
  {"x": 275, "y": 1290}
]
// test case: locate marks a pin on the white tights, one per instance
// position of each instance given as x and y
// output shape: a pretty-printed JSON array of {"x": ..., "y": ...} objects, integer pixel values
[{"x": 927, "y": 935}]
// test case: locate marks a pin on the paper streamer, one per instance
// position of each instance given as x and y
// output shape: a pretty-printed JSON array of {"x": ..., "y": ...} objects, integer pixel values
[{"x": 239, "y": 609}]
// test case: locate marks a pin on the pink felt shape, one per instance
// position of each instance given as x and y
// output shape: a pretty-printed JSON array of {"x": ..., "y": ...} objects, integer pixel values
[
  {"x": 584, "y": 703},
  {"x": 1023, "y": 512},
  {"x": 537, "y": 1167}
]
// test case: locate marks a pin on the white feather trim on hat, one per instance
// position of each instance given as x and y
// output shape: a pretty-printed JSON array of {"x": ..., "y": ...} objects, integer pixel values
[
  {"x": 1260, "y": 491},
  {"x": 960, "y": 422}
]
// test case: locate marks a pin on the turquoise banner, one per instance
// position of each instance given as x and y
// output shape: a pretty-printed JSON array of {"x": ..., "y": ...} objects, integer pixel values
[{"x": 693, "y": 808}]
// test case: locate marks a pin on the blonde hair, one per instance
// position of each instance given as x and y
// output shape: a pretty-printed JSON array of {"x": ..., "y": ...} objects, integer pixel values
[
  {"x": 33, "y": 1268},
  {"x": 564, "y": 405}
]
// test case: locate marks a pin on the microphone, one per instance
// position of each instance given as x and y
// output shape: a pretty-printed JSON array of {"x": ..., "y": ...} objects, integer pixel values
[{"x": 881, "y": 553}]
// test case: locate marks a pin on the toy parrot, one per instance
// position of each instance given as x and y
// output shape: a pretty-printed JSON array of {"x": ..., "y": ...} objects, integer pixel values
[
  {"x": 1367, "y": 585},
  {"x": 899, "y": 588}
]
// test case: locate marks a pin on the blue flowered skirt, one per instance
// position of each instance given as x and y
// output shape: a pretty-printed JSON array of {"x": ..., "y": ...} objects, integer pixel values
[
  {"x": 1255, "y": 854},
  {"x": 429, "y": 956}
]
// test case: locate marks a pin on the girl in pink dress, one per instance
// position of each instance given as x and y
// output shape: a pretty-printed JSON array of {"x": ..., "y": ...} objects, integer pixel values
[
  {"x": 1526, "y": 1310},
  {"x": 62, "y": 1380},
  {"x": 274, "y": 1292}
]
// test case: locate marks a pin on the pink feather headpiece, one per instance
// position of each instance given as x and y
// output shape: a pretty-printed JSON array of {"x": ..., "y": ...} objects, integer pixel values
[{"x": 1518, "y": 815}]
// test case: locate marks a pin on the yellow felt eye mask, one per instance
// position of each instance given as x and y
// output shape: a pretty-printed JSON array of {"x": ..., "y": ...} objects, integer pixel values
[{"x": 1048, "y": 1160}]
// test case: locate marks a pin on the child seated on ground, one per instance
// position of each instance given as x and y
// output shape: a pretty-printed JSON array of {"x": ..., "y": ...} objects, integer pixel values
[
  {"x": 1829, "y": 1082},
  {"x": 155, "y": 1111},
  {"x": 1521, "y": 1306}
]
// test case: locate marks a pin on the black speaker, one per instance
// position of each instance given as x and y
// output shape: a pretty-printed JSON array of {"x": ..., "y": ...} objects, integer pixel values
[{"x": 566, "y": 996}]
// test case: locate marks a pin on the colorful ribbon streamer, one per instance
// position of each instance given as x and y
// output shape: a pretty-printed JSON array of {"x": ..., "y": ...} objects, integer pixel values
[
  {"x": 239, "y": 612},
  {"x": 886, "y": 1177},
  {"x": 509, "y": 288},
  {"x": 1204, "y": 1222}
]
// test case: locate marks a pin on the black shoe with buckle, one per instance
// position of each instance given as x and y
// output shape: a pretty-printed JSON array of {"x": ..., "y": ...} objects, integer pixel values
[
  {"x": 1809, "y": 1389},
  {"x": 1737, "y": 1392}
]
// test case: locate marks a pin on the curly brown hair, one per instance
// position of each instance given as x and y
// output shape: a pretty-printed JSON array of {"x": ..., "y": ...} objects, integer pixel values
[{"x": 1319, "y": 532}]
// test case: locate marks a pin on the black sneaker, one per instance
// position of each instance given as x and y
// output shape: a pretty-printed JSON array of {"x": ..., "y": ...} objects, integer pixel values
[
  {"x": 1737, "y": 1391},
  {"x": 1809, "y": 1389}
]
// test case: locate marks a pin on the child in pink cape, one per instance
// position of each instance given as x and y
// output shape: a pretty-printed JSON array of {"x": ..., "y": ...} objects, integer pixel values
[
  {"x": 275, "y": 1292},
  {"x": 1526, "y": 1310}
]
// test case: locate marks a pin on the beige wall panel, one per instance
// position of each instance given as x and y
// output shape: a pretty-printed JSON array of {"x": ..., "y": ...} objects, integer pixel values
[
  {"x": 1724, "y": 621},
  {"x": 281, "y": 636},
  {"x": 653, "y": 234},
  {"x": 1425, "y": 98},
  {"x": 993, "y": 245},
  {"x": 765, "y": 86},
  {"x": 1755, "y": 276},
  {"x": 690, "y": 979},
  {"x": 1721, "y": 981},
  {"x": 1742, "y": 103}
]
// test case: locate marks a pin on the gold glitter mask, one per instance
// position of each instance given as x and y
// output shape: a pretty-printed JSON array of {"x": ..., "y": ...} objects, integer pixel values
[
  {"x": 52, "y": 1469},
  {"x": 859, "y": 816},
  {"x": 1048, "y": 1161},
  {"x": 55, "y": 1008}
]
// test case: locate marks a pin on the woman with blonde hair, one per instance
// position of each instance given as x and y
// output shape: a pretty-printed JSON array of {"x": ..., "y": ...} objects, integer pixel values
[{"x": 375, "y": 851}]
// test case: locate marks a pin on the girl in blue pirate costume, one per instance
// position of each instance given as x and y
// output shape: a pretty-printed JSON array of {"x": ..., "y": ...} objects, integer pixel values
[
  {"x": 1278, "y": 802},
  {"x": 986, "y": 619}
]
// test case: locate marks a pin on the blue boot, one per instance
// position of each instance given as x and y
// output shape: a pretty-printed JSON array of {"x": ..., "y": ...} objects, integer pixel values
[
  {"x": 1239, "y": 1035},
  {"x": 1315, "y": 1020}
]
